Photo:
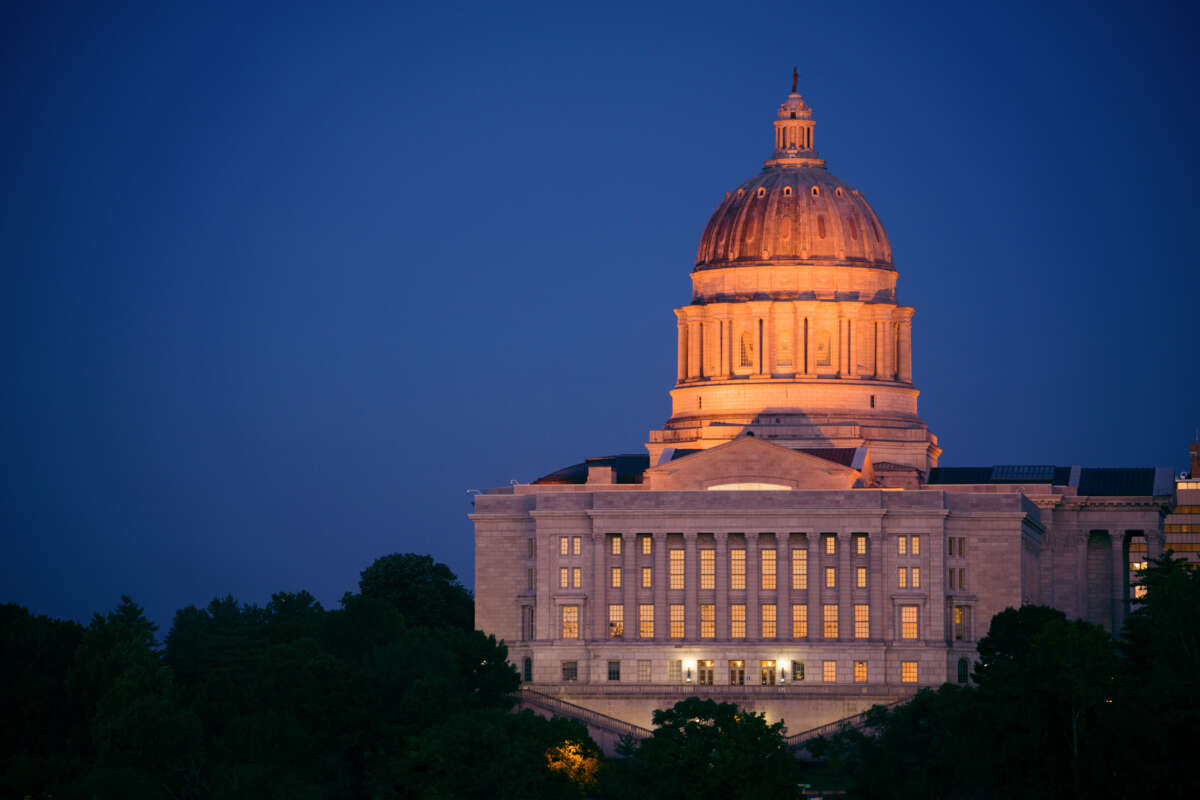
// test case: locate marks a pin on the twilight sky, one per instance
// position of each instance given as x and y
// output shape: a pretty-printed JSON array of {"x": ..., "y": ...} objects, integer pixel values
[{"x": 280, "y": 284}]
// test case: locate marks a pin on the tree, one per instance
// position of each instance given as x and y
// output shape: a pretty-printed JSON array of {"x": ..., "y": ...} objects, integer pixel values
[
  {"x": 1010, "y": 637},
  {"x": 425, "y": 592}
]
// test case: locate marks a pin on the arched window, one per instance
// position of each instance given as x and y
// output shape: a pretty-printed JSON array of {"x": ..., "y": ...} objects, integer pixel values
[
  {"x": 762, "y": 192},
  {"x": 816, "y": 191},
  {"x": 787, "y": 191},
  {"x": 746, "y": 350},
  {"x": 527, "y": 670},
  {"x": 962, "y": 670}
]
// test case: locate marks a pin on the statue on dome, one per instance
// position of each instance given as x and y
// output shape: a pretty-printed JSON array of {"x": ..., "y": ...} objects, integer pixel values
[{"x": 795, "y": 78}]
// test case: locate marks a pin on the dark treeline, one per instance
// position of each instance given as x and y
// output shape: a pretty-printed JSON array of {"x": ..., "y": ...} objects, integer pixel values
[{"x": 394, "y": 694}]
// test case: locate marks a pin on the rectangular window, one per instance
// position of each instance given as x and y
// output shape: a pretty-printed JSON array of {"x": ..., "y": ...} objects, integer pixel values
[
  {"x": 570, "y": 622},
  {"x": 644, "y": 670},
  {"x": 708, "y": 621},
  {"x": 830, "y": 577},
  {"x": 676, "y": 569},
  {"x": 704, "y": 670},
  {"x": 737, "y": 621},
  {"x": 527, "y": 670},
  {"x": 860, "y": 544},
  {"x": 799, "y": 621},
  {"x": 962, "y": 578},
  {"x": 647, "y": 546},
  {"x": 532, "y": 549},
  {"x": 615, "y": 580},
  {"x": 960, "y": 622},
  {"x": 564, "y": 544},
  {"x": 950, "y": 578},
  {"x": 962, "y": 545},
  {"x": 564, "y": 577},
  {"x": 529, "y": 578},
  {"x": 903, "y": 577},
  {"x": 737, "y": 673},
  {"x": 797, "y": 670},
  {"x": 646, "y": 621},
  {"x": 799, "y": 569},
  {"x": 527, "y": 623},
  {"x": 916, "y": 578},
  {"x": 950, "y": 544},
  {"x": 829, "y": 671},
  {"x": 737, "y": 569},
  {"x": 860, "y": 577},
  {"x": 902, "y": 546},
  {"x": 614, "y": 670},
  {"x": 570, "y": 670},
  {"x": 766, "y": 673},
  {"x": 908, "y": 622},
  {"x": 577, "y": 577},
  {"x": 915, "y": 545},
  {"x": 830, "y": 612},
  {"x": 908, "y": 672},
  {"x": 767, "y": 571},
  {"x": 830, "y": 540},
  {"x": 862, "y": 621},
  {"x": 676, "y": 619},
  {"x": 860, "y": 672},
  {"x": 647, "y": 577},
  {"x": 768, "y": 621},
  {"x": 675, "y": 671},
  {"x": 576, "y": 545},
  {"x": 708, "y": 569},
  {"x": 614, "y": 544},
  {"x": 616, "y": 621}
]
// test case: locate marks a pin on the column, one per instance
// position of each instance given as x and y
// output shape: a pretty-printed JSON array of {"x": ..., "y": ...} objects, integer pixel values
[
  {"x": 876, "y": 575},
  {"x": 851, "y": 348},
  {"x": 845, "y": 580},
  {"x": 729, "y": 358},
  {"x": 753, "y": 581},
  {"x": 878, "y": 329},
  {"x": 905, "y": 344},
  {"x": 814, "y": 586},
  {"x": 783, "y": 586},
  {"x": 693, "y": 338},
  {"x": 628, "y": 590},
  {"x": 682, "y": 350},
  {"x": 797, "y": 339},
  {"x": 599, "y": 593},
  {"x": 1120, "y": 588},
  {"x": 659, "y": 582},
  {"x": 691, "y": 584},
  {"x": 768, "y": 353},
  {"x": 721, "y": 585}
]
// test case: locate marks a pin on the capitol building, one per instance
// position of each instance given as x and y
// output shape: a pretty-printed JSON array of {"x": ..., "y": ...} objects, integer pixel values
[{"x": 789, "y": 541}]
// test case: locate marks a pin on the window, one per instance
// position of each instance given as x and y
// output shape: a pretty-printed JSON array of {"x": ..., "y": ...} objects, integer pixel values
[
  {"x": 915, "y": 545},
  {"x": 529, "y": 578},
  {"x": 961, "y": 618},
  {"x": 676, "y": 569},
  {"x": 646, "y": 621},
  {"x": 564, "y": 545},
  {"x": 830, "y": 541},
  {"x": 576, "y": 545},
  {"x": 902, "y": 546},
  {"x": 860, "y": 672},
  {"x": 647, "y": 544},
  {"x": 830, "y": 612},
  {"x": 908, "y": 622},
  {"x": 577, "y": 577},
  {"x": 799, "y": 621},
  {"x": 830, "y": 577},
  {"x": 705, "y": 673},
  {"x": 860, "y": 544},
  {"x": 644, "y": 670},
  {"x": 614, "y": 544},
  {"x": 708, "y": 569},
  {"x": 862, "y": 621},
  {"x": 532, "y": 549},
  {"x": 570, "y": 670},
  {"x": 903, "y": 578},
  {"x": 616, "y": 621},
  {"x": 908, "y": 672},
  {"x": 860, "y": 577},
  {"x": 527, "y": 669},
  {"x": 564, "y": 577},
  {"x": 737, "y": 569},
  {"x": 916, "y": 578},
  {"x": 746, "y": 350},
  {"x": 797, "y": 670},
  {"x": 675, "y": 670},
  {"x": 799, "y": 569},
  {"x": 962, "y": 670},
  {"x": 737, "y": 673},
  {"x": 527, "y": 623},
  {"x": 737, "y": 621},
  {"x": 767, "y": 562},
  {"x": 708, "y": 621},
  {"x": 614, "y": 670},
  {"x": 766, "y": 673},
  {"x": 962, "y": 578},
  {"x": 615, "y": 581},
  {"x": 676, "y": 620},
  {"x": 950, "y": 578},
  {"x": 768, "y": 621},
  {"x": 570, "y": 622},
  {"x": 647, "y": 577},
  {"x": 829, "y": 671}
]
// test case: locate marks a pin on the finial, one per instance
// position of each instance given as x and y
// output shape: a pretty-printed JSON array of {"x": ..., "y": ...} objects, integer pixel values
[{"x": 795, "y": 78}]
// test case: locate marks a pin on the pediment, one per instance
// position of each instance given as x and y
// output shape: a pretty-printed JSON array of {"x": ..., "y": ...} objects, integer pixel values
[{"x": 750, "y": 463}]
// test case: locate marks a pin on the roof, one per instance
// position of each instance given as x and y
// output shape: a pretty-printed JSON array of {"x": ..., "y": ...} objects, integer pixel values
[
  {"x": 626, "y": 468},
  {"x": 1092, "y": 481}
]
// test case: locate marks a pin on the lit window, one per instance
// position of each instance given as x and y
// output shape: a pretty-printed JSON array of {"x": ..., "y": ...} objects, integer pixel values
[
  {"x": 768, "y": 621},
  {"x": 676, "y": 564},
  {"x": 860, "y": 544},
  {"x": 830, "y": 543},
  {"x": 616, "y": 621},
  {"x": 646, "y": 621},
  {"x": 570, "y": 622},
  {"x": 704, "y": 670},
  {"x": 916, "y": 578},
  {"x": 564, "y": 577},
  {"x": 908, "y": 622},
  {"x": 860, "y": 672},
  {"x": 570, "y": 670},
  {"x": 615, "y": 544},
  {"x": 1139, "y": 592},
  {"x": 644, "y": 670},
  {"x": 829, "y": 671},
  {"x": 737, "y": 621},
  {"x": 962, "y": 619},
  {"x": 708, "y": 621},
  {"x": 675, "y": 670},
  {"x": 647, "y": 546},
  {"x": 564, "y": 545},
  {"x": 903, "y": 577},
  {"x": 737, "y": 673},
  {"x": 614, "y": 670},
  {"x": 915, "y": 545},
  {"x": 908, "y": 672},
  {"x": 708, "y": 569},
  {"x": 830, "y": 577},
  {"x": 860, "y": 577},
  {"x": 737, "y": 569},
  {"x": 902, "y": 545},
  {"x": 676, "y": 620},
  {"x": 616, "y": 577},
  {"x": 576, "y": 545},
  {"x": 799, "y": 569},
  {"x": 647, "y": 577},
  {"x": 767, "y": 559},
  {"x": 799, "y": 621},
  {"x": 862, "y": 622},
  {"x": 830, "y": 612},
  {"x": 577, "y": 577},
  {"x": 797, "y": 670}
]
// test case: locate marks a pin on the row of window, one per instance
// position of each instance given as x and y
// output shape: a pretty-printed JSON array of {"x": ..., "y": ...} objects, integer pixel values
[
  {"x": 570, "y": 545},
  {"x": 770, "y": 672},
  {"x": 907, "y": 577},
  {"x": 737, "y": 621}
]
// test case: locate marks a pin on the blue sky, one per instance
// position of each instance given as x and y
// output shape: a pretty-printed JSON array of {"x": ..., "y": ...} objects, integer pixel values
[{"x": 282, "y": 282}]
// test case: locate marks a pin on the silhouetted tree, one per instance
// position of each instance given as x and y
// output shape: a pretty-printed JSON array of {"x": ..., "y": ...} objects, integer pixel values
[{"x": 425, "y": 592}]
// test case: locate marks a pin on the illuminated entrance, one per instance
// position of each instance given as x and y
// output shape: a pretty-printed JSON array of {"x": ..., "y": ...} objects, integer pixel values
[
  {"x": 767, "y": 672},
  {"x": 737, "y": 673},
  {"x": 704, "y": 670}
]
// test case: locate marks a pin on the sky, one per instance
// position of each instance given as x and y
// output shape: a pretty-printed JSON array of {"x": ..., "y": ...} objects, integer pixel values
[{"x": 282, "y": 282}]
